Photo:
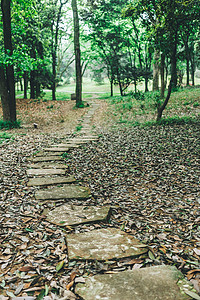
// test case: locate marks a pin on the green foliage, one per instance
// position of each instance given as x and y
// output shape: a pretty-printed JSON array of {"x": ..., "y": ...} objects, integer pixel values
[
  {"x": 196, "y": 104},
  {"x": 79, "y": 127},
  {"x": 50, "y": 106},
  {"x": 4, "y": 136},
  {"x": 80, "y": 105},
  {"x": 65, "y": 155},
  {"x": 9, "y": 124}
]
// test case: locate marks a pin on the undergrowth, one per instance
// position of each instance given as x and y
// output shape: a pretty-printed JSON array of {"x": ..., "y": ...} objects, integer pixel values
[
  {"x": 4, "y": 136},
  {"x": 9, "y": 124},
  {"x": 140, "y": 109}
]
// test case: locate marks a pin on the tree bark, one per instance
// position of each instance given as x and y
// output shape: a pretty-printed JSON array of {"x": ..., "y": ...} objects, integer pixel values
[
  {"x": 174, "y": 62},
  {"x": 8, "y": 77},
  {"x": 77, "y": 55},
  {"x": 32, "y": 85},
  {"x": 111, "y": 87},
  {"x": 187, "y": 63},
  {"x": 162, "y": 107},
  {"x": 162, "y": 75},
  {"x": 25, "y": 85},
  {"x": 4, "y": 96},
  {"x": 156, "y": 70}
]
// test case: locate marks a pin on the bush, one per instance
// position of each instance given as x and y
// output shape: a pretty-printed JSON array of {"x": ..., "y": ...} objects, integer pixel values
[
  {"x": 4, "y": 136},
  {"x": 9, "y": 124}
]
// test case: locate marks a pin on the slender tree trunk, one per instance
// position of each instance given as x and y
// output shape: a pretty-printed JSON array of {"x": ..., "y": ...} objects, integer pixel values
[
  {"x": 187, "y": 63},
  {"x": 162, "y": 107},
  {"x": 156, "y": 70},
  {"x": 146, "y": 67},
  {"x": 77, "y": 55},
  {"x": 54, "y": 76},
  {"x": 174, "y": 62},
  {"x": 37, "y": 89},
  {"x": 4, "y": 96},
  {"x": 32, "y": 85},
  {"x": 192, "y": 75},
  {"x": 111, "y": 87},
  {"x": 162, "y": 75},
  {"x": 8, "y": 77},
  {"x": 21, "y": 85},
  {"x": 25, "y": 85}
]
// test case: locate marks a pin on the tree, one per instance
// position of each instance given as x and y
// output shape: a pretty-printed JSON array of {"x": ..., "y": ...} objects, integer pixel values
[
  {"x": 7, "y": 82},
  {"x": 163, "y": 19},
  {"x": 77, "y": 52}
]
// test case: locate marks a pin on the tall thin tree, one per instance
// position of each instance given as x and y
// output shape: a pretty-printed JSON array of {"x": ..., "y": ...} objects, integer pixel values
[
  {"x": 7, "y": 82},
  {"x": 77, "y": 54}
]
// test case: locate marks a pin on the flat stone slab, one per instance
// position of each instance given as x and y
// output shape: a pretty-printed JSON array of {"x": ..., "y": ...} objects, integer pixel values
[
  {"x": 43, "y": 153},
  {"x": 46, "y": 158},
  {"x": 66, "y": 215},
  {"x": 65, "y": 192},
  {"x": 38, "y": 172},
  {"x": 153, "y": 283},
  {"x": 57, "y": 149},
  {"x": 47, "y": 165},
  {"x": 103, "y": 244},
  {"x": 66, "y": 145},
  {"x": 50, "y": 181}
]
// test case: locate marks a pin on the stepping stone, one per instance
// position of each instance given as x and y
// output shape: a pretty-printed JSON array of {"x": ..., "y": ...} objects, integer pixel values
[
  {"x": 57, "y": 149},
  {"x": 65, "y": 192},
  {"x": 42, "y": 153},
  {"x": 153, "y": 283},
  {"x": 68, "y": 215},
  {"x": 67, "y": 145},
  {"x": 38, "y": 172},
  {"x": 89, "y": 137},
  {"x": 46, "y": 158},
  {"x": 103, "y": 244},
  {"x": 46, "y": 165},
  {"x": 50, "y": 181}
]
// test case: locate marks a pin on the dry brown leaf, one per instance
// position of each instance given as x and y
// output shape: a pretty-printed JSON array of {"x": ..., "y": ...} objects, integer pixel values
[
  {"x": 68, "y": 287},
  {"x": 26, "y": 268}
]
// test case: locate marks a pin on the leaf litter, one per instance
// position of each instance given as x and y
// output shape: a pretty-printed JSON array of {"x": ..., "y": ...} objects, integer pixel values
[{"x": 149, "y": 176}]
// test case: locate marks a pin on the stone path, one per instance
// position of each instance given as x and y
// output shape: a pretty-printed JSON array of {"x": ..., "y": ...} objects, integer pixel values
[{"x": 48, "y": 171}]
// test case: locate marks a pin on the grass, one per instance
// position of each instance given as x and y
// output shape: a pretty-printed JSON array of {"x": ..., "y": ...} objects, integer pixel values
[
  {"x": 79, "y": 127},
  {"x": 141, "y": 108},
  {"x": 9, "y": 125},
  {"x": 4, "y": 136}
]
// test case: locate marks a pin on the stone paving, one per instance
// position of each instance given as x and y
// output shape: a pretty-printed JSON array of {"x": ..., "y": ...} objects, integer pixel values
[
  {"x": 153, "y": 283},
  {"x": 48, "y": 171}
]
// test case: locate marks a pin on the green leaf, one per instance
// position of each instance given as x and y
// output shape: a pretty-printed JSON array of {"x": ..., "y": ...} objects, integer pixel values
[
  {"x": 29, "y": 229},
  {"x": 192, "y": 294},
  {"x": 46, "y": 289},
  {"x": 60, "y": 265},
  {"x": 151, "y": 256},
  {"x": 41, "y": 295}
]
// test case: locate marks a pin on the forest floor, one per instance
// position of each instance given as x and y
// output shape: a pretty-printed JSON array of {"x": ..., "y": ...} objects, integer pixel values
[{"x": 149, "y": 175}]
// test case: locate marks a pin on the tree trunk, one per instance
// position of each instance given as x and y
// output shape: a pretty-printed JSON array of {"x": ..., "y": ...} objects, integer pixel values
[
  {"x": 4, "y": 96},
  {"x": 32, "y": 85},
  {"x": 174, "y": 62},
  {"x": 21, "y": 85},
  {"x": 162, "y": 107},
  {"x": 187, "y": 63},
  {"x": 111, "y": 87},
  {"x": 25, "y": 85},
  {"x": 8, "y": 77},
  {"x": 162, "y": 75},
  {"x": 156, "y": 70},
  {"x": 54, "y": 76},
  {"x": 77, "y": 54}
]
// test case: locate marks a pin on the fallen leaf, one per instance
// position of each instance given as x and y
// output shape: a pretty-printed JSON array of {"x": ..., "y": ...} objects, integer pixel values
[{"x": 60, "y": 265}]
